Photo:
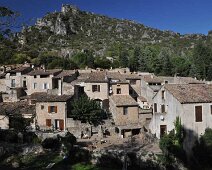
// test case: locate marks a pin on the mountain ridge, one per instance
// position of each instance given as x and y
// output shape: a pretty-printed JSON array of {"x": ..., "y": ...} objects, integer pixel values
[{"x": 99, "y": 32}]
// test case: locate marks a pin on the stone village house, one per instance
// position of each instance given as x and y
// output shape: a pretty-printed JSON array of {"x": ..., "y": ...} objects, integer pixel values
[
  {"x": 191, "y": 102},
  {"x": 51, "y": 110}
]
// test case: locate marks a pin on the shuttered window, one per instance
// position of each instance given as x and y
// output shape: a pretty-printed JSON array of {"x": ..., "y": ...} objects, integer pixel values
[
  {"x": 52, "y": 109},
  {"x": 155, "y": 107},
  {"x": 198, "y": 113},
  {"x": 48, "y": 122}
]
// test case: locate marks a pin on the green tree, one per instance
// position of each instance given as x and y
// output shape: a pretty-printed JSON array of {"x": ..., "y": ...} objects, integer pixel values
[
  {"x": 164, "y": 65},
  {"x": 7, "y": 20},
  {"x": 202, "y": 151},
  {"x": 172, "y": 144},
  {"x": 87, "y": 110},
  {"x": 101, "y": 62},
  {"x": 202, "y": 58},
  {"x": 123, "y": 59}
]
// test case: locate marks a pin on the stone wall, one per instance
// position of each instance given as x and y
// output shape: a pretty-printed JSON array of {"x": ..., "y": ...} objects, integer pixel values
[
  {"x": 4, "y": 122},
  {"x": 102, "y": 95},
  {"x": 42, "y": 113}
]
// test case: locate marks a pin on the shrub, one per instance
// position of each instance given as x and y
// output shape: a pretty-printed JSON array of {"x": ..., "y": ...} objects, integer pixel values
[{"x": 51, "y": 143}]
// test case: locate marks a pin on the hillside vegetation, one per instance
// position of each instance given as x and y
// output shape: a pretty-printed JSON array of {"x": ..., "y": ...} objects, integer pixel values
[{"x": 75, "y": 39}]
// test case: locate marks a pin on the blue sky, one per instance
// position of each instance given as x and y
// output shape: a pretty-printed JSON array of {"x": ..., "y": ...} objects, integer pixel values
[{"x": 183, "y": 16}]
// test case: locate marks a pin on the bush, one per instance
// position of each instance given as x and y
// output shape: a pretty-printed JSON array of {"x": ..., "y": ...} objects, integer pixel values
[
  {"x": 30, "y": 137},
  {"x": 11, "y": 137},
  {"x": 51, "y": 143}
]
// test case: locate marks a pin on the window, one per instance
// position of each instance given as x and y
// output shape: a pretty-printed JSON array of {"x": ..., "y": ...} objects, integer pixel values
[
  {"x": 35, "y": 85},
  {"x": 13, "y": 83},
  {"x": 35, "y": 76},
  {"x": 163, "y": 130},
  {"x": 132, "y": 82},
  {"x": 163, "y": 92},
  {"x": 95, "y": 88},
  {"x": 44, "y": 76},
  {"x": 52, "y": 109},
  {"x": 48, "y": 122},
  {"x": 125, "y": 110},
  {"x": 118, "y": 91},
  {"x": 166, "y": 81},
  {"x": 24, "y": 83},
  {"x": 42, "y": 107},
  {"x": 162, "y": 108},
  {"x": 155, "y": 107},
  {"x": 45, "y": 86},
  {"x": 198, "y": 113}
]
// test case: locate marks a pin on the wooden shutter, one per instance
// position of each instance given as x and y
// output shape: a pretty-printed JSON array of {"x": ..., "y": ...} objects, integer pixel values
[
  {"x": 55, "y": 109},
  {"x": 49, "y": 109},
  {"x": 48, "y": 122},
  {"x": 198, "y": 113},
  {"x": 61, "y": 124}
]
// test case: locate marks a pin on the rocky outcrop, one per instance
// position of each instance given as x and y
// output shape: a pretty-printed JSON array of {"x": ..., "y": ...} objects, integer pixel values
[{"x": 79, "y": 30}]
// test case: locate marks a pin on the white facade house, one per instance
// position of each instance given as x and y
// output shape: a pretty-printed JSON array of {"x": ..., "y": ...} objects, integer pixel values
[{"x": 191, "y": 102}]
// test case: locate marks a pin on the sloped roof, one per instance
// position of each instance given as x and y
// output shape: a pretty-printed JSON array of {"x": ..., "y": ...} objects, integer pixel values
[
  {"x": 16, "y": 108},
  {"x": 97, "y": 77},
  {"x": 123, "y": 100},
  {"x": 65, "y": 73},
  {"x": 132, "y": 76},
  {"x": 44, "y": 97},
  {"x": 44, "y": 72},
  {"x": 191, "y": 93},
  {"x": 151, "y": 79},
  {"x": 116, "y": 76},
  {"x": 181, "y": 80},
  {"x": 142, "y": 99},
  {"x": 22, "y": 69}
]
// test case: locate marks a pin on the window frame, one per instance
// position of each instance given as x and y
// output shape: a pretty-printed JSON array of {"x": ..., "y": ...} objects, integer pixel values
[
  {"x": 125, "y": 110},
  {"x": 35, "y": 85},
  {"x": 118, "y": 90},
  {"x": 96, "y": 88},
  {"x": 155, "y": 108},
  {"x": 198, "y": 116}
]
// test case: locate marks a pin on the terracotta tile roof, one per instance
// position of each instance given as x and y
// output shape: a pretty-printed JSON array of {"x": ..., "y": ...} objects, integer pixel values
[
  {"x": 191, "y": 93},
  {"x": 44, "y": 97},
  {"x": 97, "y": 77},
  {"x": 17, "y": 108},
  {"x": 132, "y": 76},
  {"x": 123, "y": 100},
  {"x": 116, "y": 76},
  {"x": 189, "y": 80},
  {"x": 65, "y": 73},
  {"x": 23, "y": 70},
  {"x": 142, "y": 99},
  {"x": 181, "y": 80},
  {"x": 45, "y": 72},
  {"x": 151, "y": 79}
]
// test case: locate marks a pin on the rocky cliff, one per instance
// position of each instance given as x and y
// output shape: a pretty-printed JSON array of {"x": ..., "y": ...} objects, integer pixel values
[{"x": 73, "y": 30}]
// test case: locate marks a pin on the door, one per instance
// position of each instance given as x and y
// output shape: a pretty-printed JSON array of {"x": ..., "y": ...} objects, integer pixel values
[
  {"x": 56, "y": 124},
  {"x": 61, "y": 124},
  {"x": 163, "y": 130}
]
